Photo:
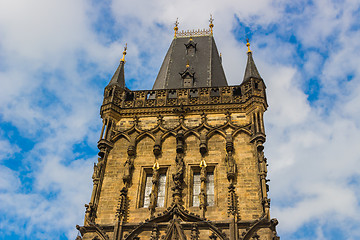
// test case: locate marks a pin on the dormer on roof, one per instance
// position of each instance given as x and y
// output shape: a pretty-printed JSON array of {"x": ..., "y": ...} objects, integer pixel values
[
  {"x": 188, "y": 76},
  {"x": 190, "y": 43}
]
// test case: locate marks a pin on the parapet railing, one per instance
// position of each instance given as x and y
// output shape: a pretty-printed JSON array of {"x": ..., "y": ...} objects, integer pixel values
[
  {"x": 182, "y": 96},
  {"x": 194, "y": 33}
]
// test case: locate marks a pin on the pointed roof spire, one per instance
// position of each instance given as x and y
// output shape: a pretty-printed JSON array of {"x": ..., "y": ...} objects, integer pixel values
[
  {"x": 251, "y": 70},
  {"x": 119, "y": 75}
]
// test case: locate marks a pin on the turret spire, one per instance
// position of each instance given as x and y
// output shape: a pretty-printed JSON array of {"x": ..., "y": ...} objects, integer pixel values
[
  {"x": 119, "y": 75},
  {"x": 251, "y": 70}
]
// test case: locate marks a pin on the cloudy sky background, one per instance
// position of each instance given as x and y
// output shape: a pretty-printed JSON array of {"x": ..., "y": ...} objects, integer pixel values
[{"x": 56, "y": 57}]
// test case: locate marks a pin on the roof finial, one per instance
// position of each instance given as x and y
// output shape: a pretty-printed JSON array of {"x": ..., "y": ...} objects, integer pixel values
[
  {"x": 203, "y": 163},
  {"x": 211, "y": 25},
  {"x": 124, "y": 53},
  {"x": 187, "y": 63},
  {"x": 176, "y": 27},
  {"x": 248, "y": 45},
  {"x": 156, "y": 165}
]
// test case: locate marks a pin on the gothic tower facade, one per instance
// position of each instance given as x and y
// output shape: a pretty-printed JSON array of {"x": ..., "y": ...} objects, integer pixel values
[{"x": 184, "y": 160}]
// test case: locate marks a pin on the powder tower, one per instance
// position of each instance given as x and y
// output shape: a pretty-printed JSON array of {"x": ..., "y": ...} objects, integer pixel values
[{"x": 185, "y": 159}]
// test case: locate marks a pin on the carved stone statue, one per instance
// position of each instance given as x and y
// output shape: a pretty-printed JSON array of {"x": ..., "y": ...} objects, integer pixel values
[
  {"x": 154, "y": 193},
  {"x": 155, "y": 177},
  {"x": 97, "y": 168},
  {"x": 179, "y": 173},
  {"x": 202, "y": 195},
  {"x": 128, "y": 166},
  {"x": 96, "y": 171},
  {"x": 89, "y": 212},
  {"x": 152, "y": 204},
  {"x": 230, "y": 165}
]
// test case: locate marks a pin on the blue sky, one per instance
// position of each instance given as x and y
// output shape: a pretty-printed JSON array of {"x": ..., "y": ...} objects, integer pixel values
[{"x": 56, "y": 57}]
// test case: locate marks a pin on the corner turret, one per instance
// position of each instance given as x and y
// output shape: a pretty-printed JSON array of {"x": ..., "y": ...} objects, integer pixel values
[
  {"x": 253, "y": 86},
  {"x": 114, "y": 92}
]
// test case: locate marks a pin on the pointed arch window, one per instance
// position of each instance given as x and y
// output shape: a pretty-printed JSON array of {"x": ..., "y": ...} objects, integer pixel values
[
  {"x": 196, "y": 187},
  {"x": 147, "y": 188}
]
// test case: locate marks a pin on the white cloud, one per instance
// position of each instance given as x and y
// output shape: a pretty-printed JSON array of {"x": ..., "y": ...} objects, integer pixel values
[
  {"x": 7, "y": 149},
  {"x": 8, "y": 181},
  {"x": 50, "y": 98}
]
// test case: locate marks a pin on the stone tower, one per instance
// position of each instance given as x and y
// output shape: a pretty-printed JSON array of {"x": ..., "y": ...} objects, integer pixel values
[{"x": 184, "y": 160}]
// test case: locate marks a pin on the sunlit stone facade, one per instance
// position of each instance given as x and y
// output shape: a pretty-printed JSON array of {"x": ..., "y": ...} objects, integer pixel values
[{"x": 184, "y": 162}]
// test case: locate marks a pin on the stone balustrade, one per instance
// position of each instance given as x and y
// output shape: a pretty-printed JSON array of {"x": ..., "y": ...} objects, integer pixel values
[{"x": 182, "y": 96}]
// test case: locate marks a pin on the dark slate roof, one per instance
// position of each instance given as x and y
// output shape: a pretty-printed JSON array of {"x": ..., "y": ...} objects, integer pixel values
[
  {"x": 204, "y": 62},
  {"x": 119, "y": 76},
  {"x": 251, "y": 70}
]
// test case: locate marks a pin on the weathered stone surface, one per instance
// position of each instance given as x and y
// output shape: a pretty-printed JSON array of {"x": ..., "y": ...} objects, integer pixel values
[{"x": 179, "y": 133}]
